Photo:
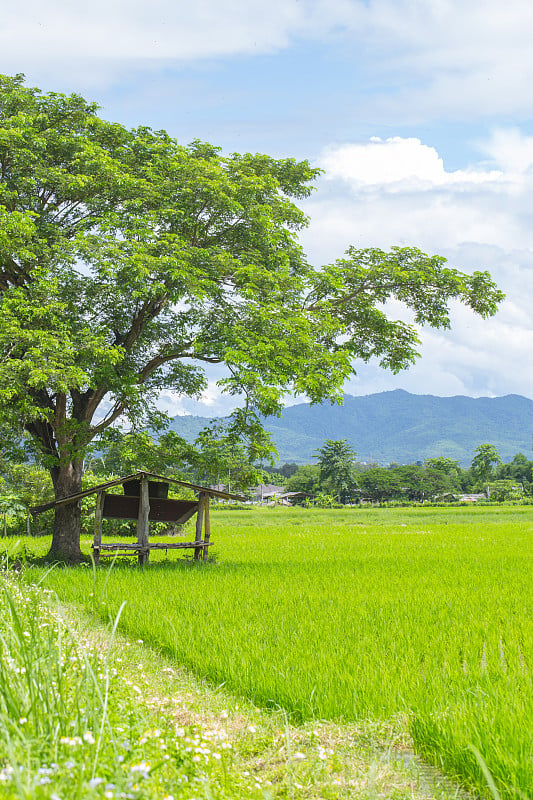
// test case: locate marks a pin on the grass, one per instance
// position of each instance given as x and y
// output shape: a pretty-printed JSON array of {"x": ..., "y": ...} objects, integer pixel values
[
  {"x": 355, "y": 615},
  {"x": 139, "y": 726},
  {"x": 72, "y": 726}
]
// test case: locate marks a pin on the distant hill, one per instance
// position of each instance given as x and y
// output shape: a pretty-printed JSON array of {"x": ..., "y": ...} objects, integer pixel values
[{"x": 398, "y": 426}]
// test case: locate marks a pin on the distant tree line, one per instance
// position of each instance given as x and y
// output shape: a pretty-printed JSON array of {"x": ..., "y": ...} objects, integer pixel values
[
  {"x": 217, "y": 458},
  {"x": 340, "y": 475}
]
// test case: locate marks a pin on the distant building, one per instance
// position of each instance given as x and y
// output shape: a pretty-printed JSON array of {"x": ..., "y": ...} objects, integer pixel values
[
  {"x": 269, "y": 493},
  {"x": 266, "y": 492}
]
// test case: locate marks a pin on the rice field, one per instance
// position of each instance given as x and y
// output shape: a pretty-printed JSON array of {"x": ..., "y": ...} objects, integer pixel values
[{"x": 355, "y": 614}]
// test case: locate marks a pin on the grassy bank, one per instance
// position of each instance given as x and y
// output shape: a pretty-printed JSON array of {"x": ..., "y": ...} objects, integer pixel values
[
  {"x": 72, "y": 726},
  {"x": 104, "y": 716}
]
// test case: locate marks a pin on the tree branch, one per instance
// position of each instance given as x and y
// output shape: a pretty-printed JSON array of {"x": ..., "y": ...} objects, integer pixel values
[
  {"x": 318, "y": 304},
  {"x": 43, "y": 433},
  {"x": 207, "y": 359},
  {"x": 92, "y": 402},
  {"x": 149, "y": 310},
  {"x": 108, "y": 419},
  {"x": 161, "y": 359}
]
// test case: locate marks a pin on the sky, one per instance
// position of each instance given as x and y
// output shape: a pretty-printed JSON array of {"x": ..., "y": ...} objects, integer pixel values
[{"x": 420, "y": 113}]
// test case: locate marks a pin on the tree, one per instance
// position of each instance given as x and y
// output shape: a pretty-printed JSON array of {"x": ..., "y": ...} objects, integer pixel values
[
  {"x": 120, "y": 453},
  {"x": 444, "y": 473},
  {"x": 501, "y": 490},
  {"x": 336, "y": 461},
  {"x": 128, "y": 262},
  {"x": 288, "y": 470},
  {"x": 519, "y": 470},
  {"x": 380, "y": 483},
  {"x": 420, "y": 483},
  {"x": 443, "y": 464},
  {"x": 30, "y": 482},
  {"x": 485, "y": 456},
  {"x": 10, "y": 506},
  {"x": 306, "y": 479},
  {"x": 219, "y": 456}
]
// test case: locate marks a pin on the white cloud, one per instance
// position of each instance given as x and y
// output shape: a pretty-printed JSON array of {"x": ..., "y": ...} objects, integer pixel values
[
  {"x": 398, "y": 192},
  {"x": 443, "y": 57},
  {"x": 212, "y": 403},
  {"x": 511, "y": 150},
  {"x": 397, "y": 164},
  {"x": 112, "y": 33}
]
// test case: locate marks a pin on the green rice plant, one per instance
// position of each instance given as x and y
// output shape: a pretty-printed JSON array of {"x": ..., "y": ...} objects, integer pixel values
[
  {"x": 483, "y": 736},
  {"x": 355, "y": 614}
]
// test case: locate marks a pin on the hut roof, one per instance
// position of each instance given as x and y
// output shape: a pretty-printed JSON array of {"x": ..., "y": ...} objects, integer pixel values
[{"x": 71, "y": 498}]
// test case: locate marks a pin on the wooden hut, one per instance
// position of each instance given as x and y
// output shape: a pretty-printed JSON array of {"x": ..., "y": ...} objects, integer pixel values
[{"x": 145, "y": 499}]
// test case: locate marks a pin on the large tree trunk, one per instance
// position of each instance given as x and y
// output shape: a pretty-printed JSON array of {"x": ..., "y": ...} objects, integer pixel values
[{"x": 67, "y": 522}]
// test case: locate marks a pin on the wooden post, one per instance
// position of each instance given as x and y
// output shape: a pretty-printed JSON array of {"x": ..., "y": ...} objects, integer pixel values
[
  {"x": 207, "y": 527},
  {"x": 142, "y": 522},
  {"x": 100, "y": 497},
  {"x": 199, "y": 525}
]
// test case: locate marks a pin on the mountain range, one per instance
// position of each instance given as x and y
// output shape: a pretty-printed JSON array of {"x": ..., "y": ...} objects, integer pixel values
[{"x": 397, "y": 427}]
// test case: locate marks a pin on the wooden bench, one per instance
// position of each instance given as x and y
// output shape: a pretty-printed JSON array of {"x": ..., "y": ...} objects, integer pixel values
[{"x": 137, "y": 548}]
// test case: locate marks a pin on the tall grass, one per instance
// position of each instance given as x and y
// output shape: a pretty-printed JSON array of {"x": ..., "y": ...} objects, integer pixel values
[
  {"x": 72, "y": 727},
  {"x": 354, "y": 614}
]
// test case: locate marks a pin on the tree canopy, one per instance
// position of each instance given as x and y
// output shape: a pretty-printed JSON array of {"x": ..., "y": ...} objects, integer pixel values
[
  {"x": 485, "y": 456},
  {"x": 337, "y": 459},
  {"x": 128, "y": 262}
]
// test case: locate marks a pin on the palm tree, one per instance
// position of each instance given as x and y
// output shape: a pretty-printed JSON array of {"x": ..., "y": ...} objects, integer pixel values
[{"x": 485, "y": 456}]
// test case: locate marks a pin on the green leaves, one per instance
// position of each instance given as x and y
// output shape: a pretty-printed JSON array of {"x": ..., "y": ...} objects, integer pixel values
[
  {"x": 128, "y": 262},
  {"x": 354, "y": 290},
  {"x": 485, "y": 456},
  {"x": 336, "y": 459}
]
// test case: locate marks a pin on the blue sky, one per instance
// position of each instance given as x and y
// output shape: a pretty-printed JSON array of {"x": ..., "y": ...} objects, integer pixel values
[{"x": 420, "y": 112}]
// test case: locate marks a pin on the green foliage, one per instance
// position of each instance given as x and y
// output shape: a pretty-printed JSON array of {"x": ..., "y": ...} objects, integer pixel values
[
  {"x": 120, "y": 453},
  {"x": 220, "y": 456},
  {"x": 519, "y": 471},
  {"x": 411, "y": 483},
  {"x": 446, "y": 465},
  {"x": 501, "y": 490},
  {"x": 30, "y": 482},
  {"x": 379, "y": 483},
  {"x": 11, "y": 510},
  {"x": 128, "y": 261},
  {"x": 306, "y": 479},
  {"x": 23, "y": 485},
  {"x": 485, "y": 456},
  {"x": 336, "y": 460},
  {"x": 322, "y": 500},
  {"x": 287, "y": 470}
]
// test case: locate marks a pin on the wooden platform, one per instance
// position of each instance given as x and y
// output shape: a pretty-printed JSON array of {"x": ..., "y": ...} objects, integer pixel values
[
  {"x": 128, "y": 548},
  {"x": 145, "y": 507},
  {"x": 147, "y": 501}
]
